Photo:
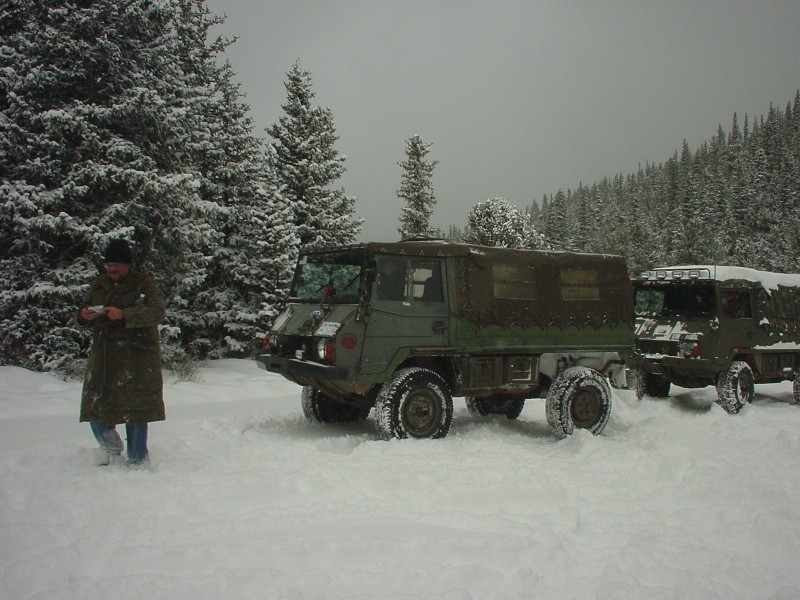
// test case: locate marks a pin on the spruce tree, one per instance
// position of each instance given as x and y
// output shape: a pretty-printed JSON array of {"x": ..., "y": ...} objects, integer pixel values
[
  {"x": 308, "y": 164},
  {"x": 117, "y": 122},
  {"x": 250, "y": 266},
  {"x": 496, "y": 222},
  {"x": 94, "y": 121},
  {"x": 557, "y": 226},
  {"x": 416, "y": 190}
]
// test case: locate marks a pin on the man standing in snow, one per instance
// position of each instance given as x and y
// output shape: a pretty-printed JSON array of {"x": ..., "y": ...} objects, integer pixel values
[{"x": 123, "y": 382}]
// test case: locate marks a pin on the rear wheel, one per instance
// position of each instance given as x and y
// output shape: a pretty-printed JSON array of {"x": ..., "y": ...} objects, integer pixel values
[
  {"x": 319, "y": 408},
  {"x": 649, "y": 384},
  {"x": 735, "y": 387},
  {"x": 415, "y": 402},
  {"x": 500, "y": 404},
  {"x": 579, "y": 397}
]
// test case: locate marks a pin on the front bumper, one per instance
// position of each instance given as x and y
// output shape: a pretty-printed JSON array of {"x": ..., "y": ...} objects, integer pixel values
[
  {"x": 662, "y": 364},
  {"x": 299, "y": 371}
]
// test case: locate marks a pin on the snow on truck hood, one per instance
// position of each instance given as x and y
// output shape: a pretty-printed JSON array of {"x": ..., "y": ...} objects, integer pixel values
[{"x": 652, "y": 328}]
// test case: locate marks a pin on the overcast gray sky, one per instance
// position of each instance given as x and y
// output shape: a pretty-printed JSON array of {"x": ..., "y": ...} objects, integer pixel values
[{"x": 519, "y": 99}]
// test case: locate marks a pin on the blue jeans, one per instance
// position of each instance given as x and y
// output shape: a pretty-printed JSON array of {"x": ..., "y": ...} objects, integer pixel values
[{"x": 109, "y": 439}]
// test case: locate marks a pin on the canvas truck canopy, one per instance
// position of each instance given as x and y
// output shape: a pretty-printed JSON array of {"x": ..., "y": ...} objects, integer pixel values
[
  {"x": 544, "y": 289},
  {"x": 507, "y": 287}
]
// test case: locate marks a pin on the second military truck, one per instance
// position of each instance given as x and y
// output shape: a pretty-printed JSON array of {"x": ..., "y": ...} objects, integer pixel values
[
  {"x": 702, "y": 325},
  {"x": 405, "y": 326}
]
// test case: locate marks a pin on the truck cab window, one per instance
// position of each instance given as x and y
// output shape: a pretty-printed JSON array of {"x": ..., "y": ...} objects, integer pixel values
[
  {"x": 675, "y": 300},
  {"x": 426, "y": 280},
  {"x": 391, "y": 281},
  {"x": 402, "y": 279},
  {"x": 735, "y": 304}
]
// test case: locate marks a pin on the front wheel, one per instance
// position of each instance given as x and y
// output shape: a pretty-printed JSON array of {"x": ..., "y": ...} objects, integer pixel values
[
  {"x": 735, "y": 387},
  {"x": 579, "y": 397},
  {"x": 416, "y": 403},
  {"x": 648, "y": 384}
]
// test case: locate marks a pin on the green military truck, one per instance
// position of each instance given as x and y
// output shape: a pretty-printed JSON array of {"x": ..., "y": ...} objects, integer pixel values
[
  {"x": 405, "y": 326},
  {"x": 730, "y": 327}
]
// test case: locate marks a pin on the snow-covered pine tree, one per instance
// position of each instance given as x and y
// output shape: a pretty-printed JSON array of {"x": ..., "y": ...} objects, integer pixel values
[
  {"x": 791, "y": 181},
  {"x": 764, "y": 217},
  {"x": 541, "y": 223},
  {"x": 557, "y": 228},
  {"x": 496, "y": 222},
  {"x": 251, "y": 265},
  {"x": 101, "y": 130},
  {"x": 307, "y": 164},
  {"x": 250, "y": 271},
  {"x": 534, "y": 213},
  {"x": 454, "y": 234},
  {"x": 645, "y": 234},
  {"x": 690, "y": 211},
  {"x": 416, "y": 190}
]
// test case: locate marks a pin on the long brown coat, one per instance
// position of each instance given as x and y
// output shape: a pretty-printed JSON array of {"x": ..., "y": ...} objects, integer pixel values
[{"x": 123, "y": 382}]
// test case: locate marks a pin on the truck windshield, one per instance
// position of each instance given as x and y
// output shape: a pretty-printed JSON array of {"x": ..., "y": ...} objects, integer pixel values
[
  {"x": 675, "y": 300},
  {"x": 335, "y": 275}
]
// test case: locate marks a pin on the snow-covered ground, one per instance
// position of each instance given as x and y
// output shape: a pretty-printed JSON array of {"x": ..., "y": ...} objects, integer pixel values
[{"x": 245, "y": 499}]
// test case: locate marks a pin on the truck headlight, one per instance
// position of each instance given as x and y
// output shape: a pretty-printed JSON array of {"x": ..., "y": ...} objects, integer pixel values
[{"x": 325, "y": 349}]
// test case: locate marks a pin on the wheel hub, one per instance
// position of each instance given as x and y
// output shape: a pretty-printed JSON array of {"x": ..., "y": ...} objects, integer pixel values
[
  {"x": 585, "y": 408},
  {"x": 420, "y": 415}
]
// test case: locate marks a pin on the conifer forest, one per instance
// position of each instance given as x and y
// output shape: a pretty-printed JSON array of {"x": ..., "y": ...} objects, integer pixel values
[
  {"x": 128, "y": 123},
  {"x": 734, "y": 200}
]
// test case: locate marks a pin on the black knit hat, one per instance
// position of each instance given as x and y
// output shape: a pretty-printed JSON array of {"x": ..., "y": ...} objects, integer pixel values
[{"x": 119, "y": 251}]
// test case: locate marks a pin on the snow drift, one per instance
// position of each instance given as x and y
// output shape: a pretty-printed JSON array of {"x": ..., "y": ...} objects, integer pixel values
[{"x": 245, "y": 499}]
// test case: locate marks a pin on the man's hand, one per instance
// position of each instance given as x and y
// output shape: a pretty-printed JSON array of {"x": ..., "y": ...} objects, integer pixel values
[
  {"x": 113, "y": 313},
  {"x": 88, "y": 314}
]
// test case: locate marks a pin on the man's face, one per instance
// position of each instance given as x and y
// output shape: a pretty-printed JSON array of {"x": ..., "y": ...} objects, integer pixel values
[{"x": 117, "y": 271}]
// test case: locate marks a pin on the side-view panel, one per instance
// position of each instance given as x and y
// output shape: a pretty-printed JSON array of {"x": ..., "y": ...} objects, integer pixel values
[{"x": 408, "y": 309}]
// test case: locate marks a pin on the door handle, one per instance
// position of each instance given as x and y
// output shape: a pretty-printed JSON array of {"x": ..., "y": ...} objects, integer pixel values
[{"x": 438, "y": 326}]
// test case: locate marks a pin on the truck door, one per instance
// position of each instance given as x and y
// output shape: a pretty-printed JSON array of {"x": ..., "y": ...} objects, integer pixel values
[
  {"x": 408, "y": 309},
  {"x": 737, "y": 325}
]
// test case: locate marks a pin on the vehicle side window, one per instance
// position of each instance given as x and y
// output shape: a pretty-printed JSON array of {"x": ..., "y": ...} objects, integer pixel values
[
  {"x": 426, "y": 280},
  {"x": 514, "y": 282},
  {"x": 785, "y": 301},
  {"x": 579, "y": 284},
  {"x": 763, "y": 305},
  {"x": 403, "y": 279},
  {"x": 735, "y": 304},
  {"x": 391, "y": 281}
]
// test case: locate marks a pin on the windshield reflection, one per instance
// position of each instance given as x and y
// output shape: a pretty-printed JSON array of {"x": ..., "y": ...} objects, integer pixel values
[
  {"x": 333, "y": 276},
  {"x": 675, "y": 300}
]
